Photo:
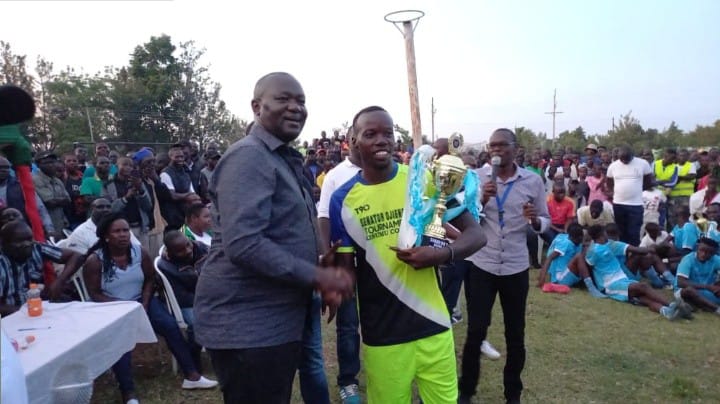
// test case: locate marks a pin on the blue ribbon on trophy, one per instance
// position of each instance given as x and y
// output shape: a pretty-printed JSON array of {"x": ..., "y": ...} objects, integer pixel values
[{"x": 432, "y": 183}]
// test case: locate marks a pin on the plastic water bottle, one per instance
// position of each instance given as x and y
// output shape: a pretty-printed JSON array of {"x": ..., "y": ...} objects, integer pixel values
[{"x": 34, "y": 302}]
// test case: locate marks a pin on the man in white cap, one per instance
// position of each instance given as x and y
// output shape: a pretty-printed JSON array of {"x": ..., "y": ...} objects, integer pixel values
[{"x": 591, "y": 158}]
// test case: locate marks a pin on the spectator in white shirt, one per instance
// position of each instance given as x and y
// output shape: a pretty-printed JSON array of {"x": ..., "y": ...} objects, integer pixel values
[
  {"x": 84, "y": 237},
  {"x": 627, "y": 177},
  {"x": 655, "y": 236},
  {"x": 598, "y": 212}
]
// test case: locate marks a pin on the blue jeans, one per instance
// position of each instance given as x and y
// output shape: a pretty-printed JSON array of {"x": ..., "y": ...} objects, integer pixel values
[
  {"x": 313, "y": 382},
  {"x": 453, "y": 274},
  {"x": 195, "y": 348},
  {"x": 164, "y": 324},
  {"x": 629, "y": 219},
  {"x": 348, "y": 343}
]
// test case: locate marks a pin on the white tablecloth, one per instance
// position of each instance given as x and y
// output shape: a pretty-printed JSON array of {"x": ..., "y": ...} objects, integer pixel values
[{"x": 75, "y": 342}]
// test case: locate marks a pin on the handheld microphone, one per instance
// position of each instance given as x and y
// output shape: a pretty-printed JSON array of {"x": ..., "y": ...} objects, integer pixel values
[{"x": 495, "y": 162}]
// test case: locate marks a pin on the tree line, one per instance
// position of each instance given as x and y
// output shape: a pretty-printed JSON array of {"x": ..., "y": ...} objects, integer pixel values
[{"x": 162, "y": 95}]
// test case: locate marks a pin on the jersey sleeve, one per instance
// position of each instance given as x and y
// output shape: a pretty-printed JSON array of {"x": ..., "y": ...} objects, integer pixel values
[
  {"x": 338, "y": 232},
  {"x": 563, "y": 246},
  {"x": 690, "y": 236},
  {"x": 590, "y": 257},
  {"x": 619, "y": 248},
  {"x": 685, "y": 267}
]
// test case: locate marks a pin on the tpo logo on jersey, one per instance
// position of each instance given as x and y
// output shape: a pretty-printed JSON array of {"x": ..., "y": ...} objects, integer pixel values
[{"x": 363, "y": 208}]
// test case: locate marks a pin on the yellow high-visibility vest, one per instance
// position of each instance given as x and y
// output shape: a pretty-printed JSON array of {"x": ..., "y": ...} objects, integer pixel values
[{"x": 684, "y": 187}]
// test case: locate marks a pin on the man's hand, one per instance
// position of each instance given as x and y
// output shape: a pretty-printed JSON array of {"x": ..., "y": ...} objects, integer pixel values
[
  {"x": 423, "y": 256},
  {"x": 130, "y": 193},
  {"x": 334, "y": 285},
  {"x": 715, "y": 289},
  {"x": 489, "y": 190}
]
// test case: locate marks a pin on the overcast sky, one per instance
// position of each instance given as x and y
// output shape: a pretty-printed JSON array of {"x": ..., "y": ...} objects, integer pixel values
[{"x": 487, "y": 63}]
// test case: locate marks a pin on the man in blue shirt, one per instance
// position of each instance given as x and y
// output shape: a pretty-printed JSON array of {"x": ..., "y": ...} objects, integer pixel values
[
  {"x": 697, "y": 277},
  {"x": 610, "y": 278},
  {"x": 561, "y": 261}
]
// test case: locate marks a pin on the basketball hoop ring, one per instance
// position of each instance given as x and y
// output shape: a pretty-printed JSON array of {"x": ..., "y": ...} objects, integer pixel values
[{"x": 404, "y": 16}]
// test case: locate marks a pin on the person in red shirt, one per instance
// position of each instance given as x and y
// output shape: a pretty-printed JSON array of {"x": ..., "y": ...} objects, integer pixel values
[{"x": 562, "y": 213}]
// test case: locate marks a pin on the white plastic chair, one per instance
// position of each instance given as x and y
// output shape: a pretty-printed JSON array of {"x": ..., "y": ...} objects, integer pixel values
[
  {"x": 171, "y": 301},
  {"x": 77, "y": 279}
]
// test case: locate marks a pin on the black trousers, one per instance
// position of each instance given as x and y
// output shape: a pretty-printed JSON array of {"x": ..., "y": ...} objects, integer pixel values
[
  {"x": 257, "y": 375},
  {"x": 480, "y": 290}
]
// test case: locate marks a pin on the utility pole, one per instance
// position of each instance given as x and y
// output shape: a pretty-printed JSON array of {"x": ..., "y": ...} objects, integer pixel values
[
  {"x": 432, "y": 117},
  {"x": 408, "y": 20},
  {"x": 554, "y": 112},
  {"x": 87, "y": 113}
]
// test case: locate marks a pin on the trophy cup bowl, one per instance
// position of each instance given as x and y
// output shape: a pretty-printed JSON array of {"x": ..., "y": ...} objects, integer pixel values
[{"x": 448, "y": 174}]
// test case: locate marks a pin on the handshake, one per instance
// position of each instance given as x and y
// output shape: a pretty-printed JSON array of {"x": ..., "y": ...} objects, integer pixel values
[{"x": 334, "y": 283}]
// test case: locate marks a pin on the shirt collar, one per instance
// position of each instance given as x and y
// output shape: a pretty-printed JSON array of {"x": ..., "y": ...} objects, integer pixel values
[
  {"x": 518, "y": 173},
  {"x": 270, "y": 140}
]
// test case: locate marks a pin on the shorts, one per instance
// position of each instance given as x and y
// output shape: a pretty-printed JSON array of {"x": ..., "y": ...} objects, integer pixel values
[
  {"x": 565, "y": 277},
  {"x": 429, "y": 361},
  {"x": 618, "y": 290}
]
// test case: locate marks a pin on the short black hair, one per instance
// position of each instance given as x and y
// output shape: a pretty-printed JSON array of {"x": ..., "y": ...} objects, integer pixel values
[
  {"x": 509, "y": 132},
  {"x": 709, "y": 242},
  {"x": 171, "y": 236},
  {"x": 596, "y": 203},
  {"x": 595, "y": 231},
  {"x": 10, "y": 229},
  {"x": 372, "y": 108},
  {"x": 671, "y": 150},
  {"x": 575, "y": 230},
  {"x": 194, "y": 210}
]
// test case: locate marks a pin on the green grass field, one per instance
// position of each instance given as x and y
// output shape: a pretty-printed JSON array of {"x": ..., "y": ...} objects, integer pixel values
[{"x": 579, "y": 350}]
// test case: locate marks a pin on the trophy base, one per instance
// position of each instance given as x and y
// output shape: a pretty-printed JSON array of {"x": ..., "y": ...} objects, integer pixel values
[{"x": 434, "y": 242}]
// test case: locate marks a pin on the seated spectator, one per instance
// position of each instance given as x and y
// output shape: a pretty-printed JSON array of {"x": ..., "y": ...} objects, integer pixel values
[
  {"x": 685, "y": 233},
  {"x": 610, "y": 279},
  {"x": 198, "y": 222},
  {"x": 598, "y": 212},
  {"x": 564, "y": 250},
  {"x": 655, "y": 236},
  {"x": 181, "y": 264},
  {"x": 712, "y": 214},
  {"x": 21, "y": 263},
  {"x": 697, "y": 277},
  {"x": 83, "y": 237},
  {"x": 562, "y": 213},
  {"x": 8, "y": 215},
  {"x": 116, "y": 270}
]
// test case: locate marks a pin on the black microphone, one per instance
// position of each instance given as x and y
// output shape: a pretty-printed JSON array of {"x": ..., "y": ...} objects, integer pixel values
[{"x": 495, "y": 162}]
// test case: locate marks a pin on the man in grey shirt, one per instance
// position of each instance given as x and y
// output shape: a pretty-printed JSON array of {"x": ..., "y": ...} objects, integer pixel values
[
  {"x": 253, "y": 293},
  {"x": 511, "y": 202}
]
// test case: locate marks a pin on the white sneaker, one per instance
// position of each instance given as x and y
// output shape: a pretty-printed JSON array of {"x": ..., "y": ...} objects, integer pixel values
[
  {"x": 133, "y": 401},
  {"x": 489, "y": 351},
  {"x": 201, "y": 383}
]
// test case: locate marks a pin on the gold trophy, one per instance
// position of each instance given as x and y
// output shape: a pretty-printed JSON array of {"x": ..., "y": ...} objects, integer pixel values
[
  {"x": 706, "y": 226},
  {"x": 448, "y": 173}
]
